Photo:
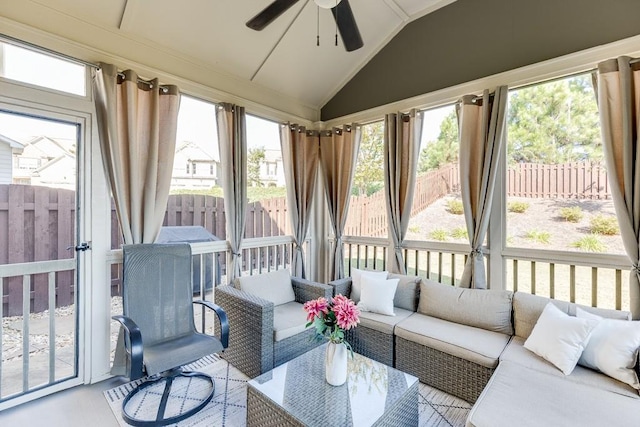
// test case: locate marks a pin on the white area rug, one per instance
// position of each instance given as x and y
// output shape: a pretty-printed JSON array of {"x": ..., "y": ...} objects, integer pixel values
[{"x": 228, "y": 406}]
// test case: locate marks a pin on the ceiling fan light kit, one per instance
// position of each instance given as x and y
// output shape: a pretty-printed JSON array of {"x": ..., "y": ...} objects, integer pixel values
[{"x": 327, "y": 4}]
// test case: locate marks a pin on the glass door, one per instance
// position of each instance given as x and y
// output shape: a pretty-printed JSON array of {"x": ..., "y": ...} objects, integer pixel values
[{"x": 39, "y": 208}]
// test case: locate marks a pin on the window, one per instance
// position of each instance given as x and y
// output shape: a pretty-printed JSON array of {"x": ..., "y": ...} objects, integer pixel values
[
  {"x": 367, "y": 214},
  {"x": 558, "y": 196},
  {"x": 266, "y": 188},
  {"x": 27, "y": 66},
  {"x": 272, "y": 168},
  {"x": 557, "y": 190},
  {"x": 437, "y": 208},
  {"x": 211, "y": 169}
]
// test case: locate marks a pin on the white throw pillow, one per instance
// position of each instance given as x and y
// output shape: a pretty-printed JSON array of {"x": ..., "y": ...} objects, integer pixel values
[
  {"x": 560, "y": 338},
  {"x": 356, "y": 281},
  {"x": 274, "y": 286},
  {"x": 613, "y": 348},
  {"x": 377, "y": 295}
]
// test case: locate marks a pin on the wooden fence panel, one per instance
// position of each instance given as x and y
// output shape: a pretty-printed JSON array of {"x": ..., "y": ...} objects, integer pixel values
[{"x": 577, "y": 180}]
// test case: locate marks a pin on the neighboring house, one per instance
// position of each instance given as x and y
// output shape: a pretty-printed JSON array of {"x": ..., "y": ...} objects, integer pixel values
[
  {"x": 8, "y": 149},
  {"x": 46, "y": 161},
  {"x": 194, "y": 167},
  {"x": 271, "y": 169},
  {"x": 59, "y": 173}
]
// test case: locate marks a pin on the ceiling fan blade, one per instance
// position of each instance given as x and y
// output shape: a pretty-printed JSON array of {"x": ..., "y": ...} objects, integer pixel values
[
  {"x": 271, "y": 12},
  {"x": 347, "y": 26}
]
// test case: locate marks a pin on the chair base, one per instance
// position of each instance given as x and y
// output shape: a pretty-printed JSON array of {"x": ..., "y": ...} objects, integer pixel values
[{"x": 146, "y": 391}]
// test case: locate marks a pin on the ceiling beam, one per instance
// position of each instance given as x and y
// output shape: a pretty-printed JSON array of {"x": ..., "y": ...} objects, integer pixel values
[
  {"x": 398, "y": 10},
  {"x": 129, "y": 12},
  {"x": 275, "y": 45}
]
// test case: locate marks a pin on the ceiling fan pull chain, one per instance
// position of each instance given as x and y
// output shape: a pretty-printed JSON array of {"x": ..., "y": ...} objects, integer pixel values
[
  {"x": 317, "y": 25},
  {"x": 336, "y": 23}
]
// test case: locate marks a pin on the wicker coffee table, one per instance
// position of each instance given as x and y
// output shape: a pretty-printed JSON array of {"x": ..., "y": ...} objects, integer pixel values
[{"x": 297, "y": 394}]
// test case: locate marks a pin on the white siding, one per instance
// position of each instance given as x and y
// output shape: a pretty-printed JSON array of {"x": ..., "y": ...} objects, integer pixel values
[{"x": 5, "y": 164}]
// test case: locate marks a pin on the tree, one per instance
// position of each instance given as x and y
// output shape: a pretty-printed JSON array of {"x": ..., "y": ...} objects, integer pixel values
[
  {"x": 255, "y": 157},
  {"x": 554, "y": 122},
  {"x": 443, "y": 150},
  {"x": 369, "y": 174}
]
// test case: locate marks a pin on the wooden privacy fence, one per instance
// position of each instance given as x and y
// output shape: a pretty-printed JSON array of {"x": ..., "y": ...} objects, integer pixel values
[
  {"x": 368, "y": 214},
  {"x": 578, "y": 180}
]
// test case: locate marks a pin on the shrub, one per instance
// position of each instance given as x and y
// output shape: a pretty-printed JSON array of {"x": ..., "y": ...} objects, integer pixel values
[
  {"x": 414, "y": 229},
  {"x": 607, "y": 225},
  {"x": 460, "y": 233},
  {"x": 517, "y": 207},
  {"x": 572, "y": 214},
  {"x": 455, "y": 207},
  {"x": 439, "y": 234},
  {"x": 539, "y": 236},
  {"x": 590, "y": 243}
]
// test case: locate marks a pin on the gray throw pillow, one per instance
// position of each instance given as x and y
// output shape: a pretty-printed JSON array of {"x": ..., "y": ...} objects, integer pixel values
[{"x": 408, "y": 291}]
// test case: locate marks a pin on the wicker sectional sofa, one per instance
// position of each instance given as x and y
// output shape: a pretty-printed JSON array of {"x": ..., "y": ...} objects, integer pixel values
[{"x": 469, "y": 343}]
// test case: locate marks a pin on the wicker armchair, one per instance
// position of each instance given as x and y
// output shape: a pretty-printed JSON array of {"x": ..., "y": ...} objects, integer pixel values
[{"x": 254, "y": 347}]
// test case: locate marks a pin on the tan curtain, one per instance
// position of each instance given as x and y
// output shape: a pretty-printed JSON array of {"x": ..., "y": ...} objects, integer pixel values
[
  {"x": 137, "y": 126},
  {"x": 482, "y": 129},
  {"x": 402, "y": 133},
  {"x": 338, "y": 152},
  {"x": 619, "y": 105},
  {"x": 232, "y": 140},
  {"x": 300, "y": 156}
]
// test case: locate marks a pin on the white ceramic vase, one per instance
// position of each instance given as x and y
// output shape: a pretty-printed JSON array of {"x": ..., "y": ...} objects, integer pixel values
[{"x": 335, "y": 363}]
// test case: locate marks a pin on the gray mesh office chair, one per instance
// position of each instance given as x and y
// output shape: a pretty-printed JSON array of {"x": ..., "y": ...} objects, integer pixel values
[{"x": 160, "y": 335}]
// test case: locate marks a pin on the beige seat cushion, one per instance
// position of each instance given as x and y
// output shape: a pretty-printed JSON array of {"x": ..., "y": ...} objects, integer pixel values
[
  {"x": 274, "y": 286},
  {"x": 474, "y": 344},
  {"x": 481, "y": 308},
  {"x": 516, "y": 353},
  {"x": 381, "y": 322},
  {"x": 517, "y": 396},
  {"x": 289, "y": 319}
]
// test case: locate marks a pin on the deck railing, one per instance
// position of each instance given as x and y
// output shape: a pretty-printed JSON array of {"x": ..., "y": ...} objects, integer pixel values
[
  {"x": 17, "y": 354},
  {"x": 598, "y": 280}
]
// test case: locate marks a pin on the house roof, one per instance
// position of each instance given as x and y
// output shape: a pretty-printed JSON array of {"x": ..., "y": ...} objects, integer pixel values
[
  {"x": 194, "y": 152},
  {"x": 15, "y": 145}
]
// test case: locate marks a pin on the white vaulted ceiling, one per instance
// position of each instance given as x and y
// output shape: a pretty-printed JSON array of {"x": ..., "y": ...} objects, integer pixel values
[{"x": 207, "y": 41}]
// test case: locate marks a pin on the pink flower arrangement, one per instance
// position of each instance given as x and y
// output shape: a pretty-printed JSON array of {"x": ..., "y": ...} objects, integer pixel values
[{"x": 332, "y": 318}]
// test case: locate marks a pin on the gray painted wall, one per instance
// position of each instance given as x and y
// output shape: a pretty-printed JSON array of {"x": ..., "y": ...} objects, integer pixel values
[{"x": 471, "y": 39}]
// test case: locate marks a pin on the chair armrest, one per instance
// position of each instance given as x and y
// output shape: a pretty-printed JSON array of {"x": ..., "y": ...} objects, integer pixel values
[
  {"x": 341, "y": 286},
  {"x": 250, "y": 330},
  {"x": 224, "y": 321},
  {"x": 306, "y": 290},
  {"x": 135, "y": 346}
]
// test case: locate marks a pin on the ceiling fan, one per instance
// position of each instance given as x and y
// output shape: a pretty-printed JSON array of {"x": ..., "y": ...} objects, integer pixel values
[{"x": 340, "y": 9}]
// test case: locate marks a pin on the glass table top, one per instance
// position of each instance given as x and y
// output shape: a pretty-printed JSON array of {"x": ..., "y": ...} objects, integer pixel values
[{"x": 300, "y": 388}]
